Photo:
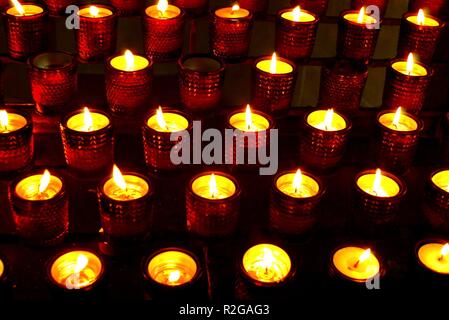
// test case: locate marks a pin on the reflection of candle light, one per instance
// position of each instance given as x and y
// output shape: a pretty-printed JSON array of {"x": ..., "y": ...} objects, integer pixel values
[{"x": 213, "y": 186}]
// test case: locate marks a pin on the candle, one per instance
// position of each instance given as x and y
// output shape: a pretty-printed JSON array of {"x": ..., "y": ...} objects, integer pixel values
[
  {"x": 163, "y": 26},
  {"x": 357, "y": 35},
  {"x": 212, "y": 204},
  {"x": 406, "y": 84},
  {"x": 294, "y": 201},
  {"x": 40, "y": 208},
  {"x": 10, "y": 122},
  {"x": 128, "y": 83},
  {"x": 435, "y": 257},
  {"x": 273, "y": 83},
  {"x": 97, "y": 34},
  {"x": 266, "y": 264},
  {"x": 378, "y": 185},
  {"x": 201, "y": 78},
  {"x": 53, "y": 79},
  {"x": 87, "y": 138},
  {"x": 26, "y": 29},
  {"x": 125, "y": 202},
  {"x": 324, "y": 138},
  {"x": 436, "y": 202},
  {"x": 172, "y": 267},
  {"x": 295, "y": 33},
  {"x": 398, "y": 139},
  {"x": 231, "y": 32},
  {"x": 76, "y": 270},
  {"x": 249, "y": 121},
  {"x": 157, "y": 130},
  {"x": 356, "y": 264},
  {"x": 421, "y": 20}
]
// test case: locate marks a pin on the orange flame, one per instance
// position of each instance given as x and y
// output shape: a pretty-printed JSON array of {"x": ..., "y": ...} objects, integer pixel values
[
  {"x": 118, "y": 178},
  {"x": 45, "y": 181}
]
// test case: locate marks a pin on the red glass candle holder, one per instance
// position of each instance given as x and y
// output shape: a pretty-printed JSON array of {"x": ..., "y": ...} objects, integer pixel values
[
  {"x": 193, "y": 7},
  {"x": 97, "y": 36},
  {"x": 395, "y": 148},
  {"x": 381, "y": 4},
  {"x": 16, "y": 147},
  {"x": 272, "y": 92},
  {"x": 292, "y": 215},
  {"x": 87, "y": 151},
  {"x": 57, "y": 8},
  {"x": 373, "y": 211},
  {"x": 163, "y": 38},
  {"x": 437, "y": 8},
  {"x": 341, "y": 86},
  {"x": 355, "y": 41},
  {"x": 27, "y": 34},
  {"x": 53, "y": 80},
  {"x": 39, "y": 222},
  {"x": 320, "y": 148},
  {"x": 230, "y": 38},
  {"x": 408, "y": 92},
  {"x": 436, "y": 202},
  {"x": 157, "y": 145},
  {"x": 125, "y": 221},
  {"x": 128, "y": 7},
  {"x": 201, "y": 78},
  {"x": 258, "y": 7},
  {"x": 295, "y": 40},
  {"x": 318, "y": 7},
  {"x": 212, "y": 217},
  {"x": 128, "y": 92},
  {"x": 422, "y": 40}
]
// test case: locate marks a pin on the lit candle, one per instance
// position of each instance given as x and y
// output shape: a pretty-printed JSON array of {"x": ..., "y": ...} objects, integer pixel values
[
  {"x": 409, "y": 67},
  {"x": 163, "y": 10},
  {"x": 95, "y": 12},
  {"x": 24, "y": 10},
  {"x": 76, "y": 270},
  {"x": 87, "y": 121},
  {"x": 297, "y": 185},
  {"x": 297, "y": 15},
  {"x": 249, "y": 121},
  {"x": 398, "y": 121},
  {"x": 10, "y": 122},
  {"x": 266, "y": 264},
  {"x": 421, "y": 20},
  {"x": 326, "y": 120},
  {"x": 274, "y": 65},
  {"x": 441, "y": 180},
  {"x": 125, "y": 187},
  {"x": 129, "y": 62},
  {"x": 39, "y": 187},
  {"x": 213, "y": 187},
  {"x": 360, "y": 18},
  {"x": 378, "y": 185},
  {"x": 356, "y": 264},
  {"x": 233, "y": 12},
  {"x": 435, "y": 257},
  {"x": 172, "y": 268},
  {"x": 167, "y": 121}
]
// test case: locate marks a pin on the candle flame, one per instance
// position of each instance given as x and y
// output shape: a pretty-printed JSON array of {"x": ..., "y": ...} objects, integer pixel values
[
  {"x": 129, "y": 59},
  {"x": 94, "y": 11},
  {"x": 160, "y": 118},
  {"x": 421, "y": 17},
  {"x": 410, "y": 63},
  {"x": 81, "y": 263},
  {"x": 365, "y": 255},
  {"x": 174, "y": 276},
  {"x": 397, "y": 117},
  {"x": 328, "y": 118},
  {"x": 296, "y": 14},
  {"x": 267, "y": 259},
  {"x": 235, "y": 8},
  {"x": 162, "y": 6},
  {"x": 444, "y": 251},
  {"x": 297, "y": 181},
  {"x": 4, "y": 121},
  {"x": 45, "y": 181},
  {"x": 377, "y": 189},
  {"x": 361, "y": 15},
  {"x": 248, "y": 117},
  {"x": 213, "y": 186},
  {"x": 88, "y": 121},
  {"x": 273, "y": 63},
  {"x": 118, "y": 178},
  {"x": 18, "y": 7}
]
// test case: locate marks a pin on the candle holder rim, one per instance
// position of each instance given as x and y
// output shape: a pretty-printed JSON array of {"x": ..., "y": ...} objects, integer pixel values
[
  {"x": 429, "y": 69},
  {"x": 279, "y": 58},
  {"x": 297, "y": 23},
  {"x": 271, "y": 120},
  {"x": 419, "y": 122},
  {"x": 186, "y": 115},
  {"x": 344, "y": 12},
  {"x": 423, "y": 242},
  {"x": 58, "y": 196},
  {"x": 319, "y": 194},
  {"x": 181, "y": 15},
  {"x": 187, "y": 56},
  {"x": 109, "y": 66},
  {"x": 149, "y": 194},
  {"x": 69, "y": 65},
  {"x": 236, "y": 194},
  {"x": 66, "y": 118},
  {"x": 213, "y": 12},
  {"x": 11, "y": 16},
  {"x": 441, "y": 23},
  {"x": 345, "y": 118},
  {"x": 147, "y": 259},
  {"x": 99, "y": 5},
  {"x": 26, "y": 115},
  {"x": 398, "y": 180},
  {"x": 64, "y": 251}
]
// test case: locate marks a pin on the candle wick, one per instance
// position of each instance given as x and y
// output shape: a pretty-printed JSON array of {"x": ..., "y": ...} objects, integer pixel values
[
  {"x": 441, "y": 258},
  {"x": 161, "y": 14},
  {"x": 356, "y": 264}
]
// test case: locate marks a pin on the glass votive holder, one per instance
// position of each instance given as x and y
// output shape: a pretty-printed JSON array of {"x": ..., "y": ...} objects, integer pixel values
[
  {"x": 318, "y": 7},
  {"x": 16, "y": 140},
  {"x": 436, "y": 202},
  {"x": 201, "y": 78},
  {"x": 26, "y": 29},
  {"x": 39, "y": 205},
  {"x": 53, "y": 80},
  {"x": 193, "y": 7},
  {"x": 431, "y": 263},
  {"x": 128, "y": 7},
  {"x": 57, "y": 8}
]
